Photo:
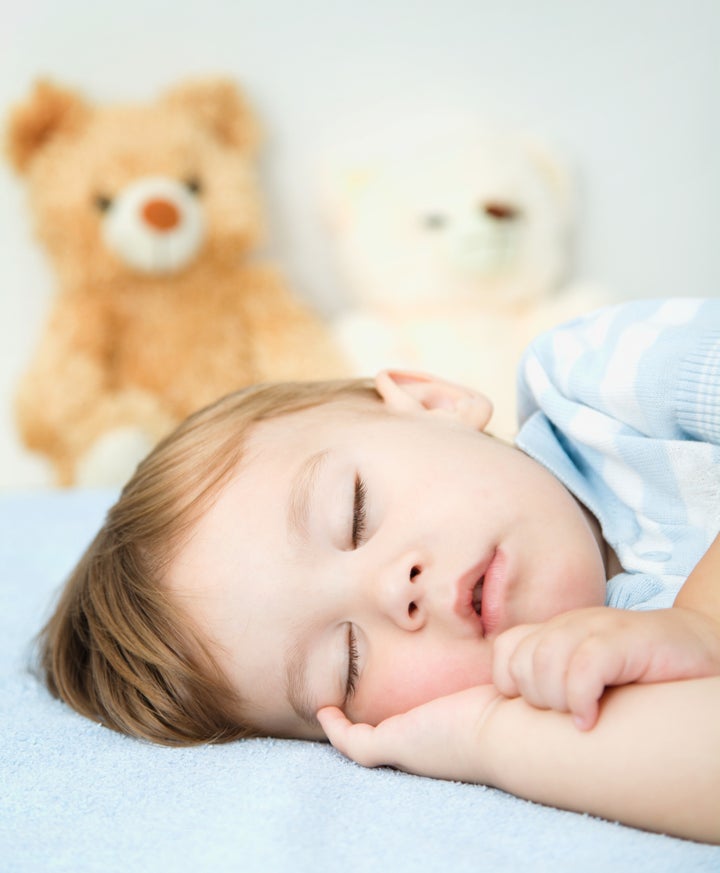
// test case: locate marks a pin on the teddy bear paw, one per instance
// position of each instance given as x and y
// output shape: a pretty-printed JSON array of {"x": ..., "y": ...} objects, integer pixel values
[{"x": 112, "y": 459}]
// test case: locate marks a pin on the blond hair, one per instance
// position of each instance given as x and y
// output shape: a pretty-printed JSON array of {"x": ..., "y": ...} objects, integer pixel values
[{"x": 117, "y": 649}]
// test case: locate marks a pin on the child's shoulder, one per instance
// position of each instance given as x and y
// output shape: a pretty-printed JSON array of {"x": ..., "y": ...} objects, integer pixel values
[
  {"x": 654, "y": 310},
  {"x": 641, "y": 362},
  {"x": 633, "y": 324}
]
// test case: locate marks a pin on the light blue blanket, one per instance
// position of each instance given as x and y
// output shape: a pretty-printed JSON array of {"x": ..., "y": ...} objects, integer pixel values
[{"x": 77, "y": 797}]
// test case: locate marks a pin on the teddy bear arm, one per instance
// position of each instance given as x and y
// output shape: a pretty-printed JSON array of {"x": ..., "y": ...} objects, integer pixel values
[
  {"x": 115, "y": 434},
  {"x": 66, "y": 398},
  {"x": 65, "y": 376},
  {"x": 66, "y": 430}
]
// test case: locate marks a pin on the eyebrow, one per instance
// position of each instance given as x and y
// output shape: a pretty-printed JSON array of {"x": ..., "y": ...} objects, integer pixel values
[
  {"x": 302, "y": 492},
  {"x": 296, "y": 686}
]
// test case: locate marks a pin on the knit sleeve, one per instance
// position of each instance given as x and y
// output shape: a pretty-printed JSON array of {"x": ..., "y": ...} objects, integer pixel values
[
  {"x": 697, "y": 391},
  {"x": 652, "y": 367}
]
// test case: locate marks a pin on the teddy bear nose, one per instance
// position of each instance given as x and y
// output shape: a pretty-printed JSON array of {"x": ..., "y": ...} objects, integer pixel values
[{"x": 161, "y": 214}]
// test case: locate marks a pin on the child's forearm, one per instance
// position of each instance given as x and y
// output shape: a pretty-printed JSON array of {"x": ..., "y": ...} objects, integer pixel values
[
  {"x": 701, "y": 590},
  {"x": 651, "y": 762}
]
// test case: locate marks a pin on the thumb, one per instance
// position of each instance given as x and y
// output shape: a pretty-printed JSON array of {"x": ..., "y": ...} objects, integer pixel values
[{"x": 356, "y": 741}]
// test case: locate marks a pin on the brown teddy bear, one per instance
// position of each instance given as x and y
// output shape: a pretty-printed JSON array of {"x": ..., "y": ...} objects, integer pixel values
[{"x": 148, "y": 213}]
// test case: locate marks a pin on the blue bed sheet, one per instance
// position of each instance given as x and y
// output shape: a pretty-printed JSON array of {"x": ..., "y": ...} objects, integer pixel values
[{"x": 77, "y": 797}]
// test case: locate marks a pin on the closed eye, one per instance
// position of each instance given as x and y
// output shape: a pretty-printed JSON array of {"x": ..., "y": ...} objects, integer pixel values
[
  {"x": 353, "y": 672},
  {"x": 359, "y": 519}
]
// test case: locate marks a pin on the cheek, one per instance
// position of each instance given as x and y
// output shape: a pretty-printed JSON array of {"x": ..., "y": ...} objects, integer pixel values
[
  {"x": 576, "y": 584},
  {"x": 407, "y": 679}
]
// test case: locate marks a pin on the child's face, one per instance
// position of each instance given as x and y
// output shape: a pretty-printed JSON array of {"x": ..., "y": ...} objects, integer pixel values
[{"x": 359, "y": 535}]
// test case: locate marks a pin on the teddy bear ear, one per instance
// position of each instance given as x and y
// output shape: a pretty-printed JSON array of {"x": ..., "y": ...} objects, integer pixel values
[
  {"x": 220, "y": 106},
  {"x": 49, "y": 111},
  {"x": 555, "y": 169}
]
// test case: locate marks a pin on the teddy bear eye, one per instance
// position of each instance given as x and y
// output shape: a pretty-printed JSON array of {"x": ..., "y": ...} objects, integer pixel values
[
  {"x": 102, "y": 202},
  {"x": 194, "y": 185},
  {"x": 499, "y": 211},
  {"x": 434, "y": 221}
]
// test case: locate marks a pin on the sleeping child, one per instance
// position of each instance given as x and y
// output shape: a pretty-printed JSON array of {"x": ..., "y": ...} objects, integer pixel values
[{"x": 362, "y": 561}]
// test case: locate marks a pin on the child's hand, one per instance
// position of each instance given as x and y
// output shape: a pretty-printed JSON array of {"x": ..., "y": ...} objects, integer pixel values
[
  {"x": 567, "y": 662},
  {"x": 439, "y": 738}
]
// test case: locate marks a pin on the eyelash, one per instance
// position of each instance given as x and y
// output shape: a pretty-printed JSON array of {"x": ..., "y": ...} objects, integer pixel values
[
  {"x": 359, "y": 520},
  {"x": 352, "y": 665},
  {"x": 357, "y": 537}
]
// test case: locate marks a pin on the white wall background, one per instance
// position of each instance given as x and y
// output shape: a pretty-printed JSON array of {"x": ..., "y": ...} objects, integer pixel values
[{"x": 630, "y": 89}]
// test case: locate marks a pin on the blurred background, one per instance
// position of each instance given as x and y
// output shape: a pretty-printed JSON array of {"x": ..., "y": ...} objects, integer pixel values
[{"x": 627, "y": 90}]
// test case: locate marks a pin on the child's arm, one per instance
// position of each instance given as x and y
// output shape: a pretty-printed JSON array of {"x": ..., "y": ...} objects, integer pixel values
[
  {"x": 567, "y": 662},
  {"x": 701, "y": 591},
  {"x": 651, "y": 762}
]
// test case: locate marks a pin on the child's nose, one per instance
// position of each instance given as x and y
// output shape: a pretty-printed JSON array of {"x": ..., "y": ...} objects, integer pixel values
[{"x": 399, "y": 592}]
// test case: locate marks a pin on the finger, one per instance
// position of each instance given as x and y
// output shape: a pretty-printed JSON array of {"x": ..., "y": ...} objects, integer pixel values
[
  {"x": 536, "y": 668},
  {"x": 504, "y": 647},
  {"x": 587, "y": 720},
  {"x": 540, "y": 663},
  {"x": 334, "y": 722},
  {"x": 337, "y": 727},
  {"x": 355, "y": 741},
  {"x": 547, "y": 680},
  {"x": 593, "y": 666}
]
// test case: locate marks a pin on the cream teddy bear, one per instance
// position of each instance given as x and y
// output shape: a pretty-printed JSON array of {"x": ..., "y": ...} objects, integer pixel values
[
  {"x": 455, "y": 251},
  {"x": 149, "y": 214}
]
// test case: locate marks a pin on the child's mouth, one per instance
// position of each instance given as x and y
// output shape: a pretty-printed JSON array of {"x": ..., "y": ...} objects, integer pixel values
[
  {"x": 477, "y": 596},
  {"x": 470, "y": 590}
]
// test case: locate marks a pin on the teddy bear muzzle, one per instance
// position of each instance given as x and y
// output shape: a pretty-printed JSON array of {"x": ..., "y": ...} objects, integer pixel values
[{"x": 154, "y": 225}]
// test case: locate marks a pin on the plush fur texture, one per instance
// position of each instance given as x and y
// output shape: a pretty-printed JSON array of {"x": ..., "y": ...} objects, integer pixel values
[{"x": 149, "y": 214}]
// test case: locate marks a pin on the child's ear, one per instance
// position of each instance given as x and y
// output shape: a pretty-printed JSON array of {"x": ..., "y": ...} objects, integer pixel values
[{"x": 403, "y": 391}]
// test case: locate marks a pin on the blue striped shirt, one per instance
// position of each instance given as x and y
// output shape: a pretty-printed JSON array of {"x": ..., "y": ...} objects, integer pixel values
[{"x": 623, "y": 406}]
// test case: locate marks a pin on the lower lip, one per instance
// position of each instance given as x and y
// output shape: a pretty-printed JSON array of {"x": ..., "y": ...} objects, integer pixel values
[{"x": 492, "y": 596}]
